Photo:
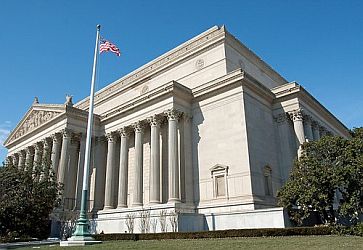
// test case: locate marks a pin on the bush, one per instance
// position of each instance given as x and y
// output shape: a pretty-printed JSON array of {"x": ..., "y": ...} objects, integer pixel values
[
  {"x": 266, "y": 232},
  {"x": 356, "y": 230}
]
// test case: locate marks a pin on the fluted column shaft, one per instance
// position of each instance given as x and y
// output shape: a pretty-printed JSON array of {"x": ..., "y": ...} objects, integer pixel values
[
  {"x": 16, "y": 160},
  {"x": 124, "y": 166},
  {"x": 173, "y": 155},
  {"x": 47, "y": 146},
  {"x": 308, "y": 128},
  {"x": 297, "y": 118},
  {"x": 63, "y": 162},
  {"x": 139, "y": 157},
  {"x": 315, "y": 128},
  {"x": 29, "y": 158},
  {"x": 154, "y": 194},
  {"x": 22, "y": 155},
  {"x": 72, "y": 168},
  {"x": 55, "y": 157},
  {"x": 110, "y": 170}
]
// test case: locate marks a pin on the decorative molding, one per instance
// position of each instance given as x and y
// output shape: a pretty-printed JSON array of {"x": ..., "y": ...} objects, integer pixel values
[{"x": 199, "y": 64}]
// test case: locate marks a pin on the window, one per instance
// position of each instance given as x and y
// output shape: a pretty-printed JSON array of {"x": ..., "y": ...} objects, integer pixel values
[
  {"x": 267, "y": 180},
  {"x": 219, "y": 176}
]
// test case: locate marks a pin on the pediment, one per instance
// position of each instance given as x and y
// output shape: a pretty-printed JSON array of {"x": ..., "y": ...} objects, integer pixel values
[
  {"x": 36, "y": 117},
  {"x": 219, "y": 167}
]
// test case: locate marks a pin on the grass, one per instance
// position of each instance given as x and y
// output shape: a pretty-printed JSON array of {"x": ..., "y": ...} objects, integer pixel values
[{"x": 287, "y": 242}]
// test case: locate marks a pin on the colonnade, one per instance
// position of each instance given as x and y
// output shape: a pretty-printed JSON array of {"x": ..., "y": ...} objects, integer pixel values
[
  {"x": 306, "y": 128},
  {"x": 65, "y": 151},
  {"x": 121, "y": 162},
  {"x": 61, "y": 152}
]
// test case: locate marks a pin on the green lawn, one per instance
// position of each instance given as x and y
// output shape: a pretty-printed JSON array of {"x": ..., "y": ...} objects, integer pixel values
[{"x": 293, "y": 242}]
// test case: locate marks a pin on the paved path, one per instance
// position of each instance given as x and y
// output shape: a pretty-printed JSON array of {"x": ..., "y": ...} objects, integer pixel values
[{"x": 14, "y": 245}]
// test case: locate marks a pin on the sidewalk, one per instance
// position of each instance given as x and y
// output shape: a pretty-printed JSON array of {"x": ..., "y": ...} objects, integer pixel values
[{"x": 14, "y": 245}]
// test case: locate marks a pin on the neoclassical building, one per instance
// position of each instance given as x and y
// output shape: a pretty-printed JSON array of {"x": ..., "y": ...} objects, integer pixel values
[{"x": 207, "y": 130}]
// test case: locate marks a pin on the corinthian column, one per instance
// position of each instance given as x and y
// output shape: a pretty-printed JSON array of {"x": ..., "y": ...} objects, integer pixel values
[
  {"x": 308, "y": 127},
  {"x": 29, "y": 158},
  {"x": 57, "y": 141},
  {"x": 47, "y": 142},
  {"x": 138, "y": 188},
  {"x": 155, "y": 122},
  {"x": 64, "y": 158},
  {"x": 315, "y": 127},
  {"x": 22, "y": 155},
  {"x": 124, "y": 165},
  {"x": 110, "y": 169},
  {"x": 16, "y": 160},
  {"x": 173, "y": 117}
]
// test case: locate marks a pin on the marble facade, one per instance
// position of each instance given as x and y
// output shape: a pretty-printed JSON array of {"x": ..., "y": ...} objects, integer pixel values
[{"x": 207, "y": 130}]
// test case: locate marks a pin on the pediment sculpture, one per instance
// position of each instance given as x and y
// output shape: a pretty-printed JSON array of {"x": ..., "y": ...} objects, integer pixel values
[{"x": 35, "y": 119}]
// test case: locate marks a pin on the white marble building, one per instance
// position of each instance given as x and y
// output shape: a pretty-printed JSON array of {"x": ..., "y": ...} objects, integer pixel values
[{"x": 208, "y": 130}]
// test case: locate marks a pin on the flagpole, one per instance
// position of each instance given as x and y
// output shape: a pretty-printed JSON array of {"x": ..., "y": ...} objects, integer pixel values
[{"x": 82, "y": 232}]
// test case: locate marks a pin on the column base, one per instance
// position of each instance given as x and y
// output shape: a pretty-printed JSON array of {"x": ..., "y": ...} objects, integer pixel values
[
  {"x": 122, "y": 206},
  {"x": 108, "y": 207},
  {"x": 137, "y": 204},
  {"x": 154, "y": 202},
  {"x": 174, "y": 200}
]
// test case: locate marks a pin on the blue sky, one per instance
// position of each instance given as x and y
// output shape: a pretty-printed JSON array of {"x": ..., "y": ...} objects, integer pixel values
[{"x": 47, "y": 46}]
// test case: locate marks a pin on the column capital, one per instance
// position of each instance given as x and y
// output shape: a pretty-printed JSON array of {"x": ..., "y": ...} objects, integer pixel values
[
  {"x": 282, "y": 117},
  {"x": 47, "y": 141},
  {"x": 296, "y": 115},
  {"x": 29, "y": 150},
  {"x": 155, "y": 120},
  {"x": 38, "y": 145},
  {"x": 307, "y": 118},
  {"x": 315, "y": 124},
  {"x": 100, "y": 139},
  {"x": 67, "y": 133},
  {"x": 139, "y": 126},
  {"x": 22, "y": 152},
  {"x": 111, "y": 137},
  {"x": 173, "y": 114},
  {"x": 57, "y": 137},
  {"x": 322, "y": 129},
  {"x": 125, "y": 131},
  {"x": 76, "y": 137}
]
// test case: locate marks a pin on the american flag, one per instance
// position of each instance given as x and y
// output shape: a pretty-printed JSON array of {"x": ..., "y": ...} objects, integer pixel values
[{"x": 106, "y": 46}]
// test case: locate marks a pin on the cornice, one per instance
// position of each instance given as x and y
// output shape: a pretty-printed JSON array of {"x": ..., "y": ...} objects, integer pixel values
[
  {"x": 253, "y": 58},
  {"x": 58, "y": 111},
  {"x": 177, "y": 54},
  {"x": 293, "y": 89},
  {"x": 226, "y": 80},
  {"x": 171, "y": 88}
]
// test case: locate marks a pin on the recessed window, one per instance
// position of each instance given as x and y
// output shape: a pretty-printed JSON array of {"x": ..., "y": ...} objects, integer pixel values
[
  {"x": 267, "y": 180},
  {"x": 219, "y": 176}
]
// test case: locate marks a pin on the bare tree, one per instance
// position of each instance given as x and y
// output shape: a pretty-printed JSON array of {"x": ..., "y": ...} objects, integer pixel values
[
  {"x": 154, "y": 224},
  {"x": 130, "y": 222},
  {"x": 144, "y": 221},
  {"x": 68, "y": 221},
  {"x": 162, "y": 219},
  {"x": 173, "y": 218}
]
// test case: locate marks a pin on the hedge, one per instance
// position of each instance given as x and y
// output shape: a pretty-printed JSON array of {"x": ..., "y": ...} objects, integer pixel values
[{"x": 267, "y": 232}]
